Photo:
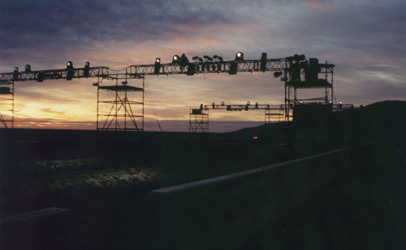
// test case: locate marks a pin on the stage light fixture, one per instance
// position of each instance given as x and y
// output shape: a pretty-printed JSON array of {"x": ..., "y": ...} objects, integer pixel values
[
  {"x": 299, "y": 58},
  {"x": 86, "y": 69},
  {"x": 239, "y": 56},
  {"x": 208, "y": 58},
  {"x": 175, "y": 59},
  {"x": 69, "y": 75},
  {"x": 27, "y": 68},
  {"x": 233, "y": 68},
  {"x": 191, "y": 69},
  {"x": 313, "y": 70},
  {"x": 15, "y": 73},
  {"x": 157, "y": 66},
  {"x": 277, "y": 74},
  {"x": 40, "y": 77},
  {"x": 264, "y": 60},
  {"x": 69, "y": 65}
]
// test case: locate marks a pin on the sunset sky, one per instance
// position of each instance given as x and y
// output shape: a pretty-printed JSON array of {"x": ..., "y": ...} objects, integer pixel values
[{"x": 365, "y": 39}]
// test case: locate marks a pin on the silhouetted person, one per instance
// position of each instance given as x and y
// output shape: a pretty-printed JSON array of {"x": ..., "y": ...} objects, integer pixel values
[{"x": 183, "y": 61}]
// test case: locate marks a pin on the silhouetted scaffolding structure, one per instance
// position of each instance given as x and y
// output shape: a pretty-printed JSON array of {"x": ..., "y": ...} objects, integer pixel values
[
  {"x": 292, "y": 68},
  {"x": 316, "y": 76},
  {"x": 274, "y": 113},
  {"x": 124, "y": 113},
  {"x": 199, "y": 117},
  {"x": 199, "y": 120},
  {"x": 7, "y": 104}
]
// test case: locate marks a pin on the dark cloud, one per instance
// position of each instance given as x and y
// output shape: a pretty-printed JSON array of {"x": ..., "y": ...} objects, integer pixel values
[
  {"x": 47, "y": 30},
  {"x": 371, "y": 28},
  {"x": 72, "y": 23}
]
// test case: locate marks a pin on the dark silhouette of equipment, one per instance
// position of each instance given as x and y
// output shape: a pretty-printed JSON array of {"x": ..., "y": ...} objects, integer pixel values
[
  {"x": 86, "y": 69},
  {"x": 295, "y": 71},
  {"x": 27, "y": 68},
  {"x": 157, "y": 66},
  {"x": 239, "y": 56},
  {"x": 291, "y": 67},
  {"x": 70, "y": 72},
  {"x": 199, "y": 117},
  {"x": 264, "y": 60}
]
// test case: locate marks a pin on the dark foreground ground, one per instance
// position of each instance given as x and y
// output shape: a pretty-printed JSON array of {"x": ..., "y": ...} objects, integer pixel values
[{"x": 354, "y": 199}]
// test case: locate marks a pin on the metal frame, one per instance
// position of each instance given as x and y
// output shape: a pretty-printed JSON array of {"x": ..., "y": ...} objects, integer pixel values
[
  {"x": 251, "y": 66},
  {"x": 121, "y": 116},
  {"x": 283, "y": 66},
  {"x": 199, "y": 120},
  {"x": 54, "y": 74},
  {"x": 274, "y": 111},
  {"x": 326, "y": 82},
  {"x": 7, "y": 104}
]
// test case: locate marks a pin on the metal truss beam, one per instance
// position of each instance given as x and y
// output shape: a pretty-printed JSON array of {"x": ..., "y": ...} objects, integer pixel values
[
  {"x": 208, "y": 67},
  {"x": 199, "y": 117},
  {"x": 138, "y": 71},
  {"x": 239, "y": 107},
  {"x": 55, "y": 74}
]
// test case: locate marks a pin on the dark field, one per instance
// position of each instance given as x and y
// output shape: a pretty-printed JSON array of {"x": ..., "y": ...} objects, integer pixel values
[{"x": 353, "y": 199}]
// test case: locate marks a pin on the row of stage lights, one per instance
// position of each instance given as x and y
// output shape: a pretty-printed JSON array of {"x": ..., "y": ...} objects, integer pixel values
[
  {"x": 69, "y": 67},
  {"x": 183, "y": 61}
]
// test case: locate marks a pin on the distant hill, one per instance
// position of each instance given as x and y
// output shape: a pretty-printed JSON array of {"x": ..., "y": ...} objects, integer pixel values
[{"x": 377, "y": 119}]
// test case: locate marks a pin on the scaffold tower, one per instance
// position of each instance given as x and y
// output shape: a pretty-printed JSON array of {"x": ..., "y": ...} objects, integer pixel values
[
  {"x": 120, "y": 107},
  {"x": 199, "y": 120},
  {"x": 316, "y": 77},
  {"x": 7, "y": 104}
]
